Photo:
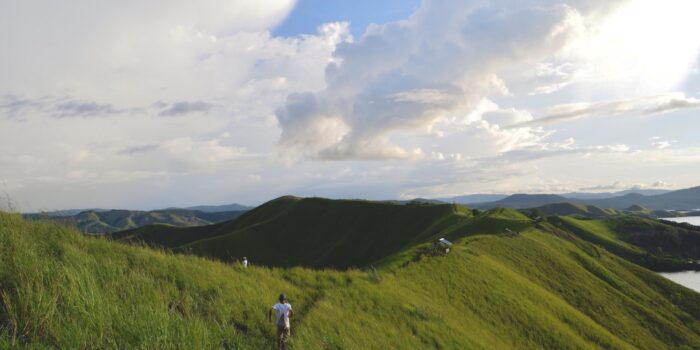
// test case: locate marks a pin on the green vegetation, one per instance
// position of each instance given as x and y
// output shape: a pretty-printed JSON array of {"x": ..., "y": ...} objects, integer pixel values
[
  {"x": 105, "y": 221},
  {"x": 509, "y": 282},
  {"x": 323, "y": 233},
  {"x": 660, "y": 246},
  {"x": 63, "y": 290},
  {"x": 312, "y": 232},
  {"x": 591, "y": 211}
]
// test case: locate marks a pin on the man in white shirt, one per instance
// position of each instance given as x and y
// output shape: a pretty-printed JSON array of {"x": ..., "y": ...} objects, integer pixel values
[
  {"x": 284, "y": 312},
  {"x": 245, "y": 262}
]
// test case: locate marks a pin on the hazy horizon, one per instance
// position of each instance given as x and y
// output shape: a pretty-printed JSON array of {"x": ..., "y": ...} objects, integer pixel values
[{"x": 173, "y": 103}]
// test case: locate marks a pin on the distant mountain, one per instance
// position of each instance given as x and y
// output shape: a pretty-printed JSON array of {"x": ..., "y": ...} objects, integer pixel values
[
  {"x": 66, "y": 212},
  {"x": 105, "y": 221},
  {"x": 416, "y": 201},
  {"x": 601, "y": 195},
  {"x": 686, "y": 199},
  {"x": 474, "y": 198},
  {"x": 485, "y": 198},
  {"x": 522, "y": 201},
  {"x": 219, "y": 208}
]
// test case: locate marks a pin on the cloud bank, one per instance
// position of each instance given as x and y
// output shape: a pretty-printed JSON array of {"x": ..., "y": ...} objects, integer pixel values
[{"x": 406, "y": 76}]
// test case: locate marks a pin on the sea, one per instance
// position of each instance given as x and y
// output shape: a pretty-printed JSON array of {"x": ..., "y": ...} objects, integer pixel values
[{"x": 690, "y": 279}]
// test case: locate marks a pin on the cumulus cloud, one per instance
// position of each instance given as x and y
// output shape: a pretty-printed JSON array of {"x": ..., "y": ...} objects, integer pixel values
[{"x": 406, "y": 76}]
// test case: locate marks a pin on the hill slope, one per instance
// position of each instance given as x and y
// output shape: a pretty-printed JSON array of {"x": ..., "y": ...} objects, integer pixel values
[
  {"x": 314, "y": 232},
  {"x": 534, "y": 290},
  {"x": 522, "y": 201},
  {"x": 323, "y": 233},
  {"x": 106, "y": 221}
]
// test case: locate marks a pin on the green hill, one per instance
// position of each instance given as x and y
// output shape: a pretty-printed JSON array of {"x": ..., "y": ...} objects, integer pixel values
[
  {"x": 661, "y": 246},
  {"x": 591, "y": 211},
  {"x": 317, "y": 232},
  {"x": 106, "y": 221},
  {"x": 312, "y": 232},
  {"x": 535, "y": 289},
  {"x": 568, "y": 208}
]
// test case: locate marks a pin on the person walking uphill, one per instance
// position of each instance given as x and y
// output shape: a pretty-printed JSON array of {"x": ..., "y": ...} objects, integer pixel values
[{"x": 284, "y": 313}]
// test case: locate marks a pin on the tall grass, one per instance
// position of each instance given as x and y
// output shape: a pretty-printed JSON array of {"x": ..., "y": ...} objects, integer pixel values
[{"x": 59, "y": 289}]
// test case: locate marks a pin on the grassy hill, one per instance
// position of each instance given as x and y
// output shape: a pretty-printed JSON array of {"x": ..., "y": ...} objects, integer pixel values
[
  {"x": 661, "y": 246},
  {"x": 591, "y": 211},
  {"x": 323, "y": 233},
  {"x": 568, "y": 208},
  {"x": 106, "y": 221},
  {"x": 313, "y": 232},
  {"x": 537, "y": 289}
]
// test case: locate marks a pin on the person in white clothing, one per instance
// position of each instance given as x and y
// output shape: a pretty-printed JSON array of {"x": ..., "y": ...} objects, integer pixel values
[
  {"x": 284, "y": 313},
  {"x": 245, "y": 262}
]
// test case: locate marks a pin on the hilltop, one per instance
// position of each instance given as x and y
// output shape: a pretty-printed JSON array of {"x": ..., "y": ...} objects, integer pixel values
[
  {"x": 315, "y": 232},
  {"x": 106, "y": 221},
  {"x": 324, "y": 233},
  {"x": 539, "y": 288}
]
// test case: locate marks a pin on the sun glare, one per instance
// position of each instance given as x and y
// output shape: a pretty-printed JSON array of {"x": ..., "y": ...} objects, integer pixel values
[{"x": 656, "y": 43}]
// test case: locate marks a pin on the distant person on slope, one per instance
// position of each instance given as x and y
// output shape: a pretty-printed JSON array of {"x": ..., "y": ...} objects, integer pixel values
[
  {"x": 245, "y": 262},
  {"x": 284, "y": 312}
]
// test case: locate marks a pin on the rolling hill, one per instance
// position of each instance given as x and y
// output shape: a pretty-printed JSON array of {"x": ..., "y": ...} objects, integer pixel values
[
  {"x": 106, "y": 221},
  {"x": 313, "y": 232},
  {"x": 342, "y": 234},
  {"x": 523, "y": 201},
  {"x": 591, "y": 211},
  {"x": 540, "y": 288}
]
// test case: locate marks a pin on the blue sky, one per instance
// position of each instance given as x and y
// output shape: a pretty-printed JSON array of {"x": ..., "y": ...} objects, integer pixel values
[
  {"x": 177, "y": 103},
  {"x": 307, "y": 15}
]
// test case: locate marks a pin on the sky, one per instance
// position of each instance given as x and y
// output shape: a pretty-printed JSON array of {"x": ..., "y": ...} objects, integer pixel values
[{"x": 143, "y": 105}]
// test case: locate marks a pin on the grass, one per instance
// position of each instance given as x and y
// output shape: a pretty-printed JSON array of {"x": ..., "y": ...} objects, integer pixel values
[
  {"x": 59, "y": 289},
  {"x": 656, "y": 245},
  {"x": 312, "y": 232}
]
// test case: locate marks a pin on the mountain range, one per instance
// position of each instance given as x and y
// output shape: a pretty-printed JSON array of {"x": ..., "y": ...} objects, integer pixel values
[
  {"x": 104, "y": 221},
  {"x": 685, "y": 199},
  {"x": 483, "y": 198}
]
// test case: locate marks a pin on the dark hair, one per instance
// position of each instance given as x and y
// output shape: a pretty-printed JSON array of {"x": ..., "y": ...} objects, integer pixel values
[{"x": 283, "y": 297}]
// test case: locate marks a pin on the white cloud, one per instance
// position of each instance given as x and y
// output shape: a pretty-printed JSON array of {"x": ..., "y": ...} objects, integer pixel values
[
  {"x": 408, "y": 75},
  {"x": 181, "y": 103},
  {"x": 649, "y": 105}
]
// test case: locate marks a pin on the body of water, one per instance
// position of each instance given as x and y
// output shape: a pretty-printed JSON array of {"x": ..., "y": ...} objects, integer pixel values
[
  {"x": 693, "y": 220},
  {"x": 690, "y": 279}
]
